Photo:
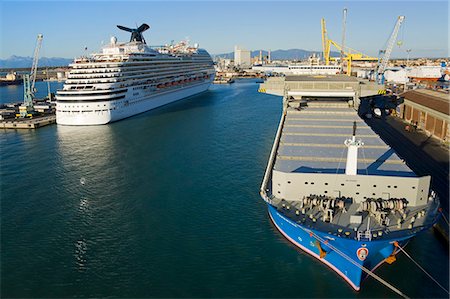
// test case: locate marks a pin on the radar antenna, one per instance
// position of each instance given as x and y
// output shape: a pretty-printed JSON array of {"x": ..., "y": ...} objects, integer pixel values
[{"x": 136, "y": 33}]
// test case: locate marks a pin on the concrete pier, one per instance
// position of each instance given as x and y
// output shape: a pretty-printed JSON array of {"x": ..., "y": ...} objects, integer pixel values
[{"x": 28, "y": 123}]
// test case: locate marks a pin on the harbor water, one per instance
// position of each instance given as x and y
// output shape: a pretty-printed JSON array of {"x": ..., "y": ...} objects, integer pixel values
[
  {"x": 166, "y": 204},
  {"x": 14, "y": 93}
]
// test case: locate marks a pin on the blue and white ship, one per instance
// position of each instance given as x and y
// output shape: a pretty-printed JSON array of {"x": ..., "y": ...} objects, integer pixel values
[{"x": 338, "y": 192}]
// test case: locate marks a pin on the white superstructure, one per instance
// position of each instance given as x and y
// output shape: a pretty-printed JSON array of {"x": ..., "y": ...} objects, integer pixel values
[
  {"x": 313, "y": 69},
  {"x": 300, "y": 69},
  {"x": 130, "y": 78}
]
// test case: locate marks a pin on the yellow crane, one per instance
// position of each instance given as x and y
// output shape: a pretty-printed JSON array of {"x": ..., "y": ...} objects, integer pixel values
[{"x": 349, "y": 53}]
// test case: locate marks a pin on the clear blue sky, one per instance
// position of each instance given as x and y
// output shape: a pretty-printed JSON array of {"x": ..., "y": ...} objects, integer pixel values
[{"x": 217, "y": 26}]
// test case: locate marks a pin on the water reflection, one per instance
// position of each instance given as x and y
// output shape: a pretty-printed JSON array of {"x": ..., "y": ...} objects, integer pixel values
[
  {"x": 90, "y": 172},
  {"x": 80, "y": 254},
  {"x": 85, "y": 152}
]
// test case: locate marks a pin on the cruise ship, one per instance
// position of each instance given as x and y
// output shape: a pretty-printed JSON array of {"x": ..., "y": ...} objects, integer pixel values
[
  {"x": 129, "y": 78},
  {"x": 338, "y": 192}
]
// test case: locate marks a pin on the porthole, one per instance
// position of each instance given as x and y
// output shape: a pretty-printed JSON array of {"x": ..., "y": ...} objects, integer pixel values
[
  {"x": 389, "y": 186},
  {"x": 374, "y": 186},
  {"x": 357, "y": 193},
  {"x": 357, "y": 185},
  {"x": 373, "y": 194},
  {"x": 326, "y": 184},
  {"x": 312, "y": 183},
  {"x": 342, "y": 184},
  {"x": 325, "y": 192},
  {"x": 395, "y": 187},
  {"x": 306, "y": 183},
  {"x": 288, "y": 182},
  {"x": 414, "y": 187}
]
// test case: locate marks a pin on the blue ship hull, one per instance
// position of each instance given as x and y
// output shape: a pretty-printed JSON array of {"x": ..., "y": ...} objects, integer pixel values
[{"x": 341, "y": 253}]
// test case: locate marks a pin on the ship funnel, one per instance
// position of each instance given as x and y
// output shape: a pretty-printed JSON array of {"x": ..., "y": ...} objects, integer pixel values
[
  {"x": 352, "y": 144},
  {"x": 136, "y": 33}
]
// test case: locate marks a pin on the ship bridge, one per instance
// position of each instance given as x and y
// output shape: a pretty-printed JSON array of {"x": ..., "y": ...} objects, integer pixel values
[{"x": 321, "y": 87}]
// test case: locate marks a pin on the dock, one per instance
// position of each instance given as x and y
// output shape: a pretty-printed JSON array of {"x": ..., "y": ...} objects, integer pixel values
[{"x": 28, "y": 123}]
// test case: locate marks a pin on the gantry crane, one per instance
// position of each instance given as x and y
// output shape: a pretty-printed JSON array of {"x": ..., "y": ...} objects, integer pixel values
[
  {"x": 383, "y": 62},
  {"x": 350, "y": 54},
  {"x": 29, "y": 81}
]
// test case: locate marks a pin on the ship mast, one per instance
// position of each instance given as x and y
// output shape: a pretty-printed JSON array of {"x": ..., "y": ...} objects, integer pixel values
[{"x": 351, "y": 167}]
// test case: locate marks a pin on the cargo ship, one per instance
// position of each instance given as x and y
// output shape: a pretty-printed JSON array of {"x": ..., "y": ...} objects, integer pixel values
[{"x": 338, "y": 192}]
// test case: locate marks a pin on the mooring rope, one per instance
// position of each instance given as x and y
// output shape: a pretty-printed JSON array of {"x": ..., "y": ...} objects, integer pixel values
[
  {"x": 443, "y": 216},
  {"x": 421, "y": 268}
]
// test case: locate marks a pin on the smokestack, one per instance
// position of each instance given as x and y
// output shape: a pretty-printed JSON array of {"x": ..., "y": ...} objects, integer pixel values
[{"x": 268, "y": 58}]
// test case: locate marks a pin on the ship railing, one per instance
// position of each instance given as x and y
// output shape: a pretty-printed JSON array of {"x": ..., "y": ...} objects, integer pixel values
[
  {"x": 366, "y": 235},
  {"x": 267, "y": 174}
]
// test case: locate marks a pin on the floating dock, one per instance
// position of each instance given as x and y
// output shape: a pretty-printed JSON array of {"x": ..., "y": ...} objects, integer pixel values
[{"x": 28, "y": 123}]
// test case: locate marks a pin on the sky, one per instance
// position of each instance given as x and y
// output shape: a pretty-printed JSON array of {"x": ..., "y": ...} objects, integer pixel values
[{"x": 70, "y": 26}]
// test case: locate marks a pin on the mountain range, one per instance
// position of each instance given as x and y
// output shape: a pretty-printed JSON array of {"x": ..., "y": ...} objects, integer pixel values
[
  {"x": 290, "y": 54},
  {"x": 26, "y": 62}
]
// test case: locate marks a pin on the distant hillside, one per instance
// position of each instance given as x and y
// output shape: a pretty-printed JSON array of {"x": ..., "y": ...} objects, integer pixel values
[
  {"x": 280, "y": 54},
  {"x": 25, "y": 62}
]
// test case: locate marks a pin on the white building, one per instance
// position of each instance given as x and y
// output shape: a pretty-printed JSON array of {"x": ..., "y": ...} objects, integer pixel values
[
  {"x": 396, "y": 75},
  {"x": 242, "y": 57}
]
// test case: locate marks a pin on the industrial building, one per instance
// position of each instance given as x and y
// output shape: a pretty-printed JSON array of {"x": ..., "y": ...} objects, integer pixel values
[
  {"x": 428, "y": 110},
  {"x": 242, "y": 57}
]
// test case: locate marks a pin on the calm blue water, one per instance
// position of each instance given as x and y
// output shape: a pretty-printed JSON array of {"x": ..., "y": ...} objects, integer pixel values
[
  {"x": 170, "y": 208},
  {"x": 14, "y": 93}
]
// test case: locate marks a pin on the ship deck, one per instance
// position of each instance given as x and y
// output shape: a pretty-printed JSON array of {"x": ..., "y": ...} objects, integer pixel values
[
  {"x": 312, "y": 141},
  {"x": 341, "y": 225}
]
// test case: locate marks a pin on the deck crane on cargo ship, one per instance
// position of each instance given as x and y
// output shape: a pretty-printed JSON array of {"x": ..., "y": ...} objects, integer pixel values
[
  {"x": 29, "y": 81},
  {"x": 383, "y": 62}
]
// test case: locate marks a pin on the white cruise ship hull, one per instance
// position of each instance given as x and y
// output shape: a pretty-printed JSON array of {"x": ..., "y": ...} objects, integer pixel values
[{"x": 135, "y": 102}]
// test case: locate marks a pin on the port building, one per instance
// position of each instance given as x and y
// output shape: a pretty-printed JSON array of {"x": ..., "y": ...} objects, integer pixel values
[
  {"x": 428, "y": 109},
  {"x": 242, "y": 57}
]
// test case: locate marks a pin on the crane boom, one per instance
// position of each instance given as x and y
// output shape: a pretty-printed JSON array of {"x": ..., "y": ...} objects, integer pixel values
[
  {"x": 344, "y": 24},
  {"x": 325, "y": 47},
  {"x": 33, "y": 72},
  {"x": 390, "y": 45}
]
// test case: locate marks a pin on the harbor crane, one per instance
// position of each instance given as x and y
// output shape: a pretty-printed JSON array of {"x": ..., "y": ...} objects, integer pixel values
[
  {"x": 349, "y": 53},
  {"x": 383, "y": 62},
  {"x": 29, "y": 81}
]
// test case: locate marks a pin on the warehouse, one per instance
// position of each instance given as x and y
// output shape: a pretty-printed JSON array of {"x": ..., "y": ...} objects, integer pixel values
[{"x": 429, "y": 110}]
